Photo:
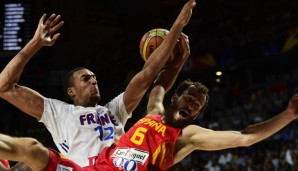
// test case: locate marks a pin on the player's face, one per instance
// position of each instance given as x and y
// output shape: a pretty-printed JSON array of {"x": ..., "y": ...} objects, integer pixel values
[
  {"x": 85, "y": 88},
  {"x": 185, "y": 108}
]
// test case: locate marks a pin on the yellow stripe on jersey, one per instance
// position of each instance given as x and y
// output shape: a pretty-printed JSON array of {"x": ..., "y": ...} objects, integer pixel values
[
  {"x": 62, "y": 156},
  {"x": 163, "y": 154}
]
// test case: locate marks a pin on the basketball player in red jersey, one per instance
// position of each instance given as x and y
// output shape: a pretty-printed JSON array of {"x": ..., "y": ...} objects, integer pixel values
[{"x": 166, "y": 136}]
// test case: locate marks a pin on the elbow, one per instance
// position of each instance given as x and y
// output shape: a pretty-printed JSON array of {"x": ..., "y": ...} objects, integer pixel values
[
  {"x": 3, "y": 88},
  {"x": 247, "y": 141},
  {"x": 6, "y": 88}
]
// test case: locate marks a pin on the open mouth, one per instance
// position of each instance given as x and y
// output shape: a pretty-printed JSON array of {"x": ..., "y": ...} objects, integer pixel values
[{"x": 183, "y": 114}]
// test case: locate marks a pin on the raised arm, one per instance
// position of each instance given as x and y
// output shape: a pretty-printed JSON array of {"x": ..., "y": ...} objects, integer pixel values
[
  {"x": 199, "y": 138},
  {"x": 142, "y": 81},
  {"x": 170, "y": 72},
  {"x": 155, "y": 105},
  {"x": 29, "y": 101}
]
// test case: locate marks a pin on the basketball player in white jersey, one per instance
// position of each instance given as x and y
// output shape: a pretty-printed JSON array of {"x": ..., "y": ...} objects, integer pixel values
[{"x": 82, "y": 130}]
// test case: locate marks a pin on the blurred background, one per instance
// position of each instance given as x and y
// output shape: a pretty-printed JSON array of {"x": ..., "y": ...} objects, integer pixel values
[{"x": 244, "y": 51}]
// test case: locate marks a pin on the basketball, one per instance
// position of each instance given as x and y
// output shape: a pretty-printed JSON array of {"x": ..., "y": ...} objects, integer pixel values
[{"x": 151, "y": 40}]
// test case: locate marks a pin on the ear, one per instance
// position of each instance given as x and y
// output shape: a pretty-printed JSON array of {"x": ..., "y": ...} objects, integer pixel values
[{"x": 71, "y": 92}]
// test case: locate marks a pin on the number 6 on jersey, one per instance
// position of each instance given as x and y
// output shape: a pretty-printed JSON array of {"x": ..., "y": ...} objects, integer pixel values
[{"x": 139, "y": 135}]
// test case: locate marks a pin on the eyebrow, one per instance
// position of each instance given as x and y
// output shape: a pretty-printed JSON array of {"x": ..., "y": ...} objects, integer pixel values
[
  {"x": 87, "y": 75},
  {"x": 197, "y": 98}
]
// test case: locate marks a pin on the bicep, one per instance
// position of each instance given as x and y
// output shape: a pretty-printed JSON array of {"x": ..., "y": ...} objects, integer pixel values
[
  {"x": 26, "y": 99},
  {"x": 206, "y": 139}
]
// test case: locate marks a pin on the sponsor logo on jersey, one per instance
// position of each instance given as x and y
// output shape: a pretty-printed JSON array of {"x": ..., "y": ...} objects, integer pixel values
[
  {"x": 132, "y": 154},
  {"x": 61, "y": 167},
  {"x": 127, "y": 158}
]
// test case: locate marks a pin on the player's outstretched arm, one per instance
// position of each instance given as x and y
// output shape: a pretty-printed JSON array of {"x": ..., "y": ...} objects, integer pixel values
[
  {"x": 27, "y": 150},
  {"x": 24, "y": 98},
  {"x": 198, "y": 138},
  {"x": 170, "y": 72},
  {"x": 142, "y": 81}
]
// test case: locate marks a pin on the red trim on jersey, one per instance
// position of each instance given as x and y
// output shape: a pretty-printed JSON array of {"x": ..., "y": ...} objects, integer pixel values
[
  {"x": 58, "y": 160},
  {"x": 5, "y": 163}
]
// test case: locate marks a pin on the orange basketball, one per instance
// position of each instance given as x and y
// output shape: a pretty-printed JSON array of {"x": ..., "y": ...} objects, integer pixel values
[{"x": 151, "y": 40}]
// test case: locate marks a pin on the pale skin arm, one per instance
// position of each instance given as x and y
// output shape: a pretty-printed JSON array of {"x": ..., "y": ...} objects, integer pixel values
[
  {"x": 155, "y": 102},
  {"x": 26, "y": 150},
  {"x": 26, "y": 99},
  {"x": 140, "y": 83},
  {"x": 197, "y": 138},
  {"x": 168, "y": 75},
  {"x": 166, "y": 79}
]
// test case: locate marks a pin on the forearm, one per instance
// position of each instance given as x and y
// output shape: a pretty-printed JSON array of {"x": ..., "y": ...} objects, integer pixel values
[
  {"x": 263, "y": 130},
  {"x": 27, "y": 150},
  {"x": 7, "y": 148},
  {"x": 167, "y": 77},
  {"x": 162, "y": 54},
  {"x": 12, "y": 72}
]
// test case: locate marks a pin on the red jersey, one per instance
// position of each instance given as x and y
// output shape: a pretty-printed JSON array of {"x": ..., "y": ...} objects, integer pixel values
[
  {"x": 5, "y": 163},
  {"x": 58, "y": 161},
  {"x": 148, "y": 145}
]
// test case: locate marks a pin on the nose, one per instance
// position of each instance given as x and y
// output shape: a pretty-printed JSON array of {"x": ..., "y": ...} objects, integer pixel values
[
  {"x": 191, "y": 106},
  {"x": 93, "y": 81}
]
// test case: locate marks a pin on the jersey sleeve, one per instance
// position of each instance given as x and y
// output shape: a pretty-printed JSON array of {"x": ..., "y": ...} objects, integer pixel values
[
  {"x": 117, "y": 107},
  {"x": 55, "y": 116}
]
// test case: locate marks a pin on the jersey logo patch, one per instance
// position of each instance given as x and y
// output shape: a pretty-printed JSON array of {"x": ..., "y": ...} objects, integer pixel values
[{"x": 131, "y": 154}]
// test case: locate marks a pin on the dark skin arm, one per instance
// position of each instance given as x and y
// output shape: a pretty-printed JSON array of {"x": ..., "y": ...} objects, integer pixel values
[
  {"x": 140, "y": 83},
  {"x": 24, "y": 98},
  {"x": 170, "y": 72}
]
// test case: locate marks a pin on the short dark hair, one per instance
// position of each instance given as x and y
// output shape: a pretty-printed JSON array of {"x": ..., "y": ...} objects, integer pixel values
[
  {"x": 200, "y": 87},
  {"x": 68, "y": 80}
]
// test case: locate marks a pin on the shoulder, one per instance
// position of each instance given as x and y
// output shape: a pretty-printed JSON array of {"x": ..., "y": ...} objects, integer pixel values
[
  {"x": 55, "y": 101},
  {"x": 55, "y": 105},
  {"x": 118, "y": 100}
]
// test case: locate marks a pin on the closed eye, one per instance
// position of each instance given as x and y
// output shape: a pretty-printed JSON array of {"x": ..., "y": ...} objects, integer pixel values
[{"x": 196, "y": 103}]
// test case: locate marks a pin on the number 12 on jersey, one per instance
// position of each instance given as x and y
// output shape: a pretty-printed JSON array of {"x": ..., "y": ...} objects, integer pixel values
[{"x": 110, "y": 133}]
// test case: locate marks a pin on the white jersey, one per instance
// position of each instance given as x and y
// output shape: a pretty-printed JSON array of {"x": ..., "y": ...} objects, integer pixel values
[{"x": 81, "y": 133}]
